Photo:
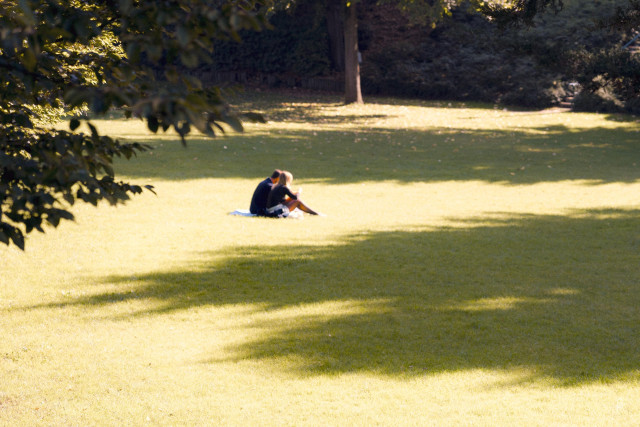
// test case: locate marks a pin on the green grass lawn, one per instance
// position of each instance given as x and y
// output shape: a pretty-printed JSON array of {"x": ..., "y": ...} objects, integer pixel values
[{"x": 477, "y": 267}]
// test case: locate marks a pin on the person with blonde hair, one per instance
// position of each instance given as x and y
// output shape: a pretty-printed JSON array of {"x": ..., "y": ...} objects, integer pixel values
[{"x": 282, "y": 200}]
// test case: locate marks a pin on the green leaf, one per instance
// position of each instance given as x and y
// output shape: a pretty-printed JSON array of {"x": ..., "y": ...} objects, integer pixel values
[
  {"x": 81, "y": 28},
  {"x": 193, "y": 82},
  {"x": 53, "y": 220},
  {"x": 17, "y": 237},
  {"x": 75, "y": 97},
  {"x": 74, "y": 124},
  {"x": 196, "y": 100},
  {"x": 94, "y": 131},
  {"x": 69, "y": 198},
  {"x": 234, "y": 123},
  {"x": 108, "y": 169},
  {"x": 66, "y": 215},
  {"x": 255, "y": 117},
  {"x": 209, "y": 130},
  {"x": 28, "y": 59},
  {"x": 172, "y": 75},
  {"x": 189, "y": 59},
  {"x": 152, "y": 123},
  {"x": 155, "y": 52},
  {"x": 24, "y": 121},
  {"x": 27, "y": 16},
  {"x": 4, "y": 238},
  {"x": 183, "y": 35},
  {"x": 133, "y": 52},
  {"x": 126, "y": 6}
]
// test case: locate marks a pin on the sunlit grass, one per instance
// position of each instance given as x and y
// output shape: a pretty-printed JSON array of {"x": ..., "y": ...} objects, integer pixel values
[{"x": 477, "y": 266}]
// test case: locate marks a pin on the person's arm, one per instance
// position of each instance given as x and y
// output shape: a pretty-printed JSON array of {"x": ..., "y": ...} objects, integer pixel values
[{"x": 290, "y": 194}]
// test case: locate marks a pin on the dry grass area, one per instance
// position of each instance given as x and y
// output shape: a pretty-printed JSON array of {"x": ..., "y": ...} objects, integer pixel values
[{"x": 477, "y": 266}]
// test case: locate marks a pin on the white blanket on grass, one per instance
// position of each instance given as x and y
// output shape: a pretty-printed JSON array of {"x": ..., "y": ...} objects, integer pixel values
[
  {"x": 294, "y": 214},
  {"x": 242, "y": 212}
]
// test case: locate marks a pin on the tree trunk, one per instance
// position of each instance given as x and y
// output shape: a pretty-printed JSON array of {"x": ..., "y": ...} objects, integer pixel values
[
  {"x": 352, "y": 93},
  {"x": 335, "y": 28}
]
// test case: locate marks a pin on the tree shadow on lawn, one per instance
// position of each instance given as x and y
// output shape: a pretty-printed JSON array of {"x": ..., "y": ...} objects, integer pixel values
[
  {"x": 556, "y": 297},
  {"x": 310, "y": 114},
  {"x": 282, "y": 98},
  {"x": 507, "y": 156}
]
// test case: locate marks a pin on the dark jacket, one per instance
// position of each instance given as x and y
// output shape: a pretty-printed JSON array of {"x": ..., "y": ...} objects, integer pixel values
[
  {"x": 278, "y": 195},
  {"x": 260, "y": 196}
]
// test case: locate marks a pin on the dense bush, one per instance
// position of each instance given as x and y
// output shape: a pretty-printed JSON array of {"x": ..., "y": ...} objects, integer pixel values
[
  {"x": 464, "y": 58},
  {"x": 600, "y": 101},
  {"x": 297, "y": 44},
  {"x": 610, "y": 79},
  {"x": 468, "y": 58}
]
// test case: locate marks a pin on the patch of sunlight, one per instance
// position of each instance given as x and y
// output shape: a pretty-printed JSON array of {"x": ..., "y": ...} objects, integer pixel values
[
  {"x": 329, "y": 309},
  {"x": 589, "y": 145},
  {"x": 603, "y": 214},
  {"x": 537, "y": 150},
  {"x": 491, "y": 304},
  {"x": 492, "y": 379},
  {"x": 563, "y": 291}
]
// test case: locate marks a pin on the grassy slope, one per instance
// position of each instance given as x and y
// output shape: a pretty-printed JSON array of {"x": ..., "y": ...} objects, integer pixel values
[{"x": 477, "y": 266}]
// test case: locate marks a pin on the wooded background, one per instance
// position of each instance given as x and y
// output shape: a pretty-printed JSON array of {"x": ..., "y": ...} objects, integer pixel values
[{"x": 466, "y": 57}]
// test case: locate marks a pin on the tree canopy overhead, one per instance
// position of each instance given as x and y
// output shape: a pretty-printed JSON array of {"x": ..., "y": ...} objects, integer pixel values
[{"x": 127, "y": 54}]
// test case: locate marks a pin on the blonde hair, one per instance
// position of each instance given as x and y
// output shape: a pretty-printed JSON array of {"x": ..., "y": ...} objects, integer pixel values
[{"x": 285, "y": 178}]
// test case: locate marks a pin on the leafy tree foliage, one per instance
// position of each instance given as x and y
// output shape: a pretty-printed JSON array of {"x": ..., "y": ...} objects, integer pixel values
[
  {"x": 464, "y": 58},
  {"x": 609, "y": 75},
  {"x": 428, "y": 11},
  {"x": 297, "y": 43},
  {"x": 518, "y": 12},
  {"x": 128, "y": 54}
]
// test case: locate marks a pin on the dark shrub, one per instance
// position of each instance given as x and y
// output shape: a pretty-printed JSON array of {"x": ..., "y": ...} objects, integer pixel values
[{"x": 601, "y": 101}]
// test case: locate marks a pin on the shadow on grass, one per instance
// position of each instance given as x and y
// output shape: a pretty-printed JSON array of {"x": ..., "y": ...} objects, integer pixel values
[
  {"x": 556, "y": 297},
  {"x": 279, "y": 98},
  {"x": 362, "y": 152},
  {"x": 507, "y": 156}
]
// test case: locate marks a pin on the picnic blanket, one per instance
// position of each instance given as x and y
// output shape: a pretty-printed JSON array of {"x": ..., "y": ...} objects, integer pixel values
[
  {"x": 242, "y": 212},
  {"x": 294, "y": 214}
]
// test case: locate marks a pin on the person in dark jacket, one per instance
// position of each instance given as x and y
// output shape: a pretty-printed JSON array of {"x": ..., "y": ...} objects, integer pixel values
[
  {"x": 261, "y": 194},
  {"x": 281, "y": 198}
]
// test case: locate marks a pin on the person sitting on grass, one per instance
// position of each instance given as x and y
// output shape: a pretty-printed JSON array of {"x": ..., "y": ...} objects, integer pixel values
[
  {"x": 282, "y": 201},
  {"x": 261, "y": 194}
]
